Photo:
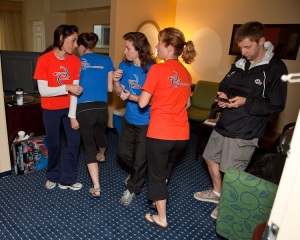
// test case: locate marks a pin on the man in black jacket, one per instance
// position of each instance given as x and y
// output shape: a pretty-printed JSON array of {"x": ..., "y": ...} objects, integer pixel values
[{"x": 250, "y": 92}]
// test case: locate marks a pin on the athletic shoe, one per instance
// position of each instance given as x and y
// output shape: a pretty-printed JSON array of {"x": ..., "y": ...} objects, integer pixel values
[
  {"x": 207, "y": 196},
  {"x": 75, "y": 186},
  {"x": 127, "y": 198},
  {"x": 215, "y": 212},
  {"x": 50, "y": 185}
]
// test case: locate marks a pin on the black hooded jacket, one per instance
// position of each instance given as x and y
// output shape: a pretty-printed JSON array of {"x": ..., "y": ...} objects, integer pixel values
[{"x": 265, "y": 94}]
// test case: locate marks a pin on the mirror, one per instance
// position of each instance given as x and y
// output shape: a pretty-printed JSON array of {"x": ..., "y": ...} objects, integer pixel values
[{"x": 151, "y": 30}]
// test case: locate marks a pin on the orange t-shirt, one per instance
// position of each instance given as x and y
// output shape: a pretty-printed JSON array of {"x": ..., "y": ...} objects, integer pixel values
[
  {"x": 57, "y": 72},
  {"x": 169, "y": 83}
]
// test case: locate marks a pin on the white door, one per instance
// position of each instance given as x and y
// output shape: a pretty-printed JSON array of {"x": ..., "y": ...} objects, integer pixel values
[
  {"x": 37, "y": 41},
  {"x": 283, "y": 223}
]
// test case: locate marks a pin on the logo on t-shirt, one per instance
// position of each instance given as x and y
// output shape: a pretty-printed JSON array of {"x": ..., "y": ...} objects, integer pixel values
[
  {"x": 85, "y": 64},
  {"x": 62, "y": 76},
  {"x": 134, "y": 84},
  {"x": 176, "y": 81}
]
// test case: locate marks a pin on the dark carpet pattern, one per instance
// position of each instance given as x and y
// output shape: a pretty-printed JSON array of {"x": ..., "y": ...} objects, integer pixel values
[{"x": 29, "y": 211}]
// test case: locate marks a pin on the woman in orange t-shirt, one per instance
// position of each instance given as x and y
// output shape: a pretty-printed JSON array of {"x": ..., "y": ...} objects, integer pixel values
[
  {"x": 57, "y": 74},
  {"x": 168, "y": 86}
]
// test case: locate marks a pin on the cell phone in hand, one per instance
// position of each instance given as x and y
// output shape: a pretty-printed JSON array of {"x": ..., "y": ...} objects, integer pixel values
[{"x": 225, "y": 100}]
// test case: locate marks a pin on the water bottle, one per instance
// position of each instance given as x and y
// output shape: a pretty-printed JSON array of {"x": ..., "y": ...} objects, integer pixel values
[{"x": 19, "y": 95}]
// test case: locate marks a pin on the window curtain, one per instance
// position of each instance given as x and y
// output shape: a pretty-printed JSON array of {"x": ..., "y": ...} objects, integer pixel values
[{"x": 10, "y": 31}]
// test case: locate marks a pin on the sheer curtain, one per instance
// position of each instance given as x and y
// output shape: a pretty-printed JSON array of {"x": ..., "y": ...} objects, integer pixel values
[{"x": 10, "y": 31}]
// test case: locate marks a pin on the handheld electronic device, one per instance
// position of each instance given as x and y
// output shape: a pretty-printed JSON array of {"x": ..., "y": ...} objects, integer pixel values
[{"x": 222, "y": 100}]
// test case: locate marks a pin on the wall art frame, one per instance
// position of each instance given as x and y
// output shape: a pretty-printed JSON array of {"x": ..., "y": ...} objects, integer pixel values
[{"x": 284, "y": 37}]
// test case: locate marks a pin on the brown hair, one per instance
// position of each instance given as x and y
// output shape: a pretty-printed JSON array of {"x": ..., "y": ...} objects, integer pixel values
[
  {"x": 252, "y": 30},
  {"x": 175, "y": 38},
  {"x": 88, "y": 40},
  {"x": 142, "y": 45}
]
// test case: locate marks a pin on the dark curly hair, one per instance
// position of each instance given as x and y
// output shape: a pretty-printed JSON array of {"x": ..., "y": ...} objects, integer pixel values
[{"x": 140, "y": 44}]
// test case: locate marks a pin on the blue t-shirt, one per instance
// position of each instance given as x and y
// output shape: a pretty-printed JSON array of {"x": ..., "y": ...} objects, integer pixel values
[
  {"x": 93, "y": 77},
  {"x": 133, "y": 79}
]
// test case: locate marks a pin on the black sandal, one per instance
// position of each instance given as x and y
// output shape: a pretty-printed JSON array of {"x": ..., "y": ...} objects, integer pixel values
[{"x": 152, "y": 206}]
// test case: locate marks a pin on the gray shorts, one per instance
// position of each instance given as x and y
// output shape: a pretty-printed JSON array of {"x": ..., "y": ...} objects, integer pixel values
[{"x": 229, "y": 152}]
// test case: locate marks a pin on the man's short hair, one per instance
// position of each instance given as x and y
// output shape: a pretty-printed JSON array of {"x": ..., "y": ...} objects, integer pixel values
[{"x": 252, "y": 30}]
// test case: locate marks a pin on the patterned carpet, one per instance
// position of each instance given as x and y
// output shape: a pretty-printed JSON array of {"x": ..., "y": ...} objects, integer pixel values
[{"x": 29, "y": 211}]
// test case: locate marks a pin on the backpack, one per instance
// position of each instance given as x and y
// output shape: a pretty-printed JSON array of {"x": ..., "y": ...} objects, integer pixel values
[
  {"x": 270, "y": 166},
  {"x": 285, "y": 139}
]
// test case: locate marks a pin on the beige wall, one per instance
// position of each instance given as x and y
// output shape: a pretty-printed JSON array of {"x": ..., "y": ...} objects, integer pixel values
[
  {"x": 71, "y": 5},
  {"x": 207, "y": 23},
  {"x": 86, "y": 21}
]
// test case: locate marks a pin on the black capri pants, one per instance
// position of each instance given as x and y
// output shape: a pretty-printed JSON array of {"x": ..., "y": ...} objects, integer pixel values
[
  {"x": 161, "y": 157},
  {"x": 92, "y": 118}
]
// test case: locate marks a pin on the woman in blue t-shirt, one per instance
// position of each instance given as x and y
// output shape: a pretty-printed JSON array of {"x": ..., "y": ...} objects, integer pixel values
[
  {"x": 92, "y": 112},
  {"x": 128, "y": 82}
]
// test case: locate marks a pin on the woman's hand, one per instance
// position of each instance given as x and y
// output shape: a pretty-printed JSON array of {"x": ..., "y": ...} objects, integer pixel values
[
  {"x": 74, "y": 88},
  {"x": 117, "y": 75},
  {"x": 125, "y": 94},
  {"x": 74, "y": 123}
]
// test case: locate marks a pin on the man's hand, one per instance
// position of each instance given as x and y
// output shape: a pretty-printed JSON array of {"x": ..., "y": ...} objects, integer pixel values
[
  {"x": 221, "y": 103},
  {"x": 236, "y": 102},
  {"x": 232, "y": 102}
]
